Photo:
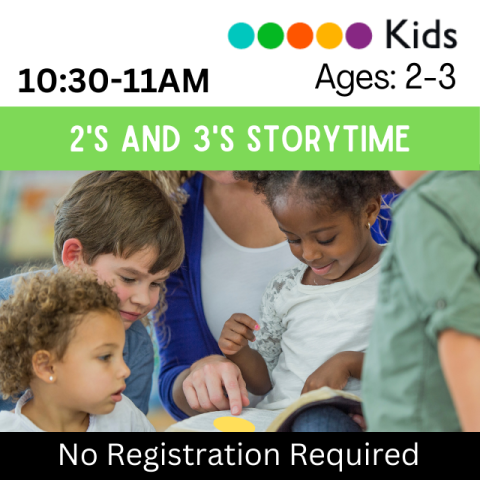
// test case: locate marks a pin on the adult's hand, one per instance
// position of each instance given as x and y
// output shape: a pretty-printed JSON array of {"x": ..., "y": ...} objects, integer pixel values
[{"x": 207, "y": 381}]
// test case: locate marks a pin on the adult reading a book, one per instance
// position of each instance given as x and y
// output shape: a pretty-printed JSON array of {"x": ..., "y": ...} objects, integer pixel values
[{"x": 233, "y": 249}]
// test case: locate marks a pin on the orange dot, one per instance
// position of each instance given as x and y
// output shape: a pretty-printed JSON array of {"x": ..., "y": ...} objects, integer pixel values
[
  {"x": 300, "y": 35},
  {"x": 329, "y": 35}
]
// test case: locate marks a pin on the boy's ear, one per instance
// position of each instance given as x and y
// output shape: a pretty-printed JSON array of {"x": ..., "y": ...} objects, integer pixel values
[
  {"x": 43, "y": 366},
  {"x": 72, "y": 253},
  {"x": 373, "y": 209}
]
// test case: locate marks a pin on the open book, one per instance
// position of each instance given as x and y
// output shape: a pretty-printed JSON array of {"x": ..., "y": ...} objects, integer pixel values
[{"x": 270, "y": 420}]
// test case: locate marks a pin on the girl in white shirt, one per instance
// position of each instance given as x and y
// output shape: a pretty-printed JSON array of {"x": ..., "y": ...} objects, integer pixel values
[
  {"x": 61, "y": 342},
  {"x": 315, "y": 318}
]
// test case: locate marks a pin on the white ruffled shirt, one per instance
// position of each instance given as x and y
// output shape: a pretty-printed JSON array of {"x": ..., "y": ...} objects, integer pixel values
[
  {"x": 125, "y": 417},
  {"x": 302, "y": 326}
]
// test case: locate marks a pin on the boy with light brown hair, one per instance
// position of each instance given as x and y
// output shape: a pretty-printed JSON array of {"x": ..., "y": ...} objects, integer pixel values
[{"x": 127, "y": 230}]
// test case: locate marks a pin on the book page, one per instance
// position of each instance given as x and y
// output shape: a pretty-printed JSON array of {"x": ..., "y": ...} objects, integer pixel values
[{"x": 260, "y": 418}]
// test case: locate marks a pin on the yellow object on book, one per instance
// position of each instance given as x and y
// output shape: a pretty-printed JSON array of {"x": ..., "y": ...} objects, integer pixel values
[
  {"x": 233, "y": 424},
  {"x": 269, "y": 420}
]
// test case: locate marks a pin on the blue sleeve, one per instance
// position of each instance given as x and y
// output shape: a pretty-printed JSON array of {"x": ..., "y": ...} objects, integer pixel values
[
  {"x": 181, "y": 340},
  {"x": 7, "y": 404},
  {"x": 138, "y": 354},
  {"x": 6, "y": 287}
]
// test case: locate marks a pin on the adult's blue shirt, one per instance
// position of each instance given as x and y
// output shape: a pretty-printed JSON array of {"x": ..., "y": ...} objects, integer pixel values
[
  {"x": 184, "y": 336},
  {"x": 137, "y": 353}
]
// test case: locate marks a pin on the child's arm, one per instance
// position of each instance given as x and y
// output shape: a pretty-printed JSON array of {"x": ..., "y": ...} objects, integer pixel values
[
  {"x": 233, "y": 342},
  {"x": 335, "y": 372},
  {"x": 460, "y": 359}
]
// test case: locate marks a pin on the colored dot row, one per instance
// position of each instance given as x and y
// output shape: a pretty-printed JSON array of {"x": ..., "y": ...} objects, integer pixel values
[{"x": 300, "y": 35}]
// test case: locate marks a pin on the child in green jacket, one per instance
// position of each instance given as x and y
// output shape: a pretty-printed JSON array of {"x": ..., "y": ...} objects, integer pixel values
[{"x": 422, "y": 367}]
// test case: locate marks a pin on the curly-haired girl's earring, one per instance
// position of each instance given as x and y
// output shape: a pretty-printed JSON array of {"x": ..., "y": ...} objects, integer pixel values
[
  {"x": 51, "y": 378},
  {"x": 368, "y": 225}
]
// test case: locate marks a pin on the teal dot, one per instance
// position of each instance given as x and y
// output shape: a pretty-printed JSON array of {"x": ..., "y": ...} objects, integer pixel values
[
  {"x": 270, "y": 35},
  {"x": 241, "y": 35}
]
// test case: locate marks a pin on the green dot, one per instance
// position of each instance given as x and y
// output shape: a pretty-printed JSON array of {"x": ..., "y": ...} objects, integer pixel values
[{"x": 270, "y": 35}]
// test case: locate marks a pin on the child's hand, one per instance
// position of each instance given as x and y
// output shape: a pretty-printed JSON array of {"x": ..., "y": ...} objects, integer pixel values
[
  {"x": 335, "y": 372},
  {"x": 236, "y": 333},
  {"x": 360, "y": 421}
]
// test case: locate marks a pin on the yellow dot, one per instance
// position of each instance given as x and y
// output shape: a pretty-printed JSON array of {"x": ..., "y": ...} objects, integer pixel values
[
  {"x": 329, "y": 35},
  {"x": 233, "y": 424}
]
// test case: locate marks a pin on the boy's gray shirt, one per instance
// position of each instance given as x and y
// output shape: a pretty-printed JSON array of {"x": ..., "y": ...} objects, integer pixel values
[{"x": 138, "y": 355}]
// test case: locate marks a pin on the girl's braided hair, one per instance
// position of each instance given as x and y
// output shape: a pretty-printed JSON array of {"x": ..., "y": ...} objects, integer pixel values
[{"x": 338, "y": 190}]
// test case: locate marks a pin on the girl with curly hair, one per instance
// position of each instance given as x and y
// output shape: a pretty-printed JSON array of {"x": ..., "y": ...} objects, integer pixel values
[
  {"x": 61, "y": 344},
  {"x": 316, "y": 317}
]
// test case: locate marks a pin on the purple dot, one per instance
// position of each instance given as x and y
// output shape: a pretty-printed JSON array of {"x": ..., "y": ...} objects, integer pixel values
[{"x": 359, "y": 35}]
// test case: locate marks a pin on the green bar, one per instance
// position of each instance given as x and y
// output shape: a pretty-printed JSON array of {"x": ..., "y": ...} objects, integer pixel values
[{"x": 438, "y": 138}]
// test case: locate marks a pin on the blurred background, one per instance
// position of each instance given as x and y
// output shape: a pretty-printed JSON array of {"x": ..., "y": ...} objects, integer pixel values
[{"x": 27, "y": 204}]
